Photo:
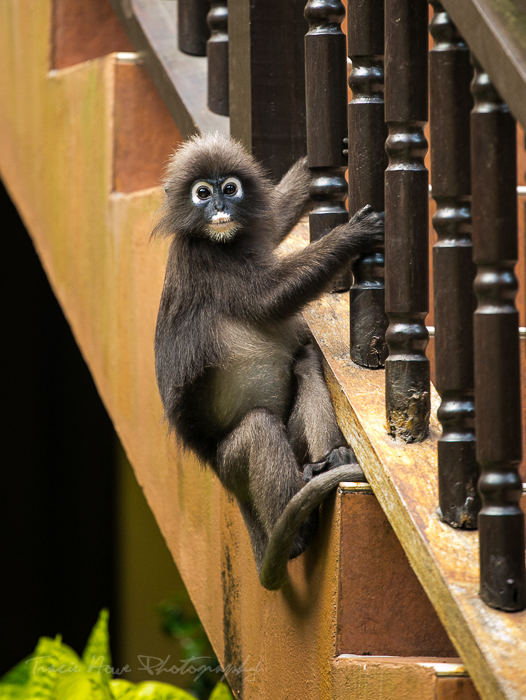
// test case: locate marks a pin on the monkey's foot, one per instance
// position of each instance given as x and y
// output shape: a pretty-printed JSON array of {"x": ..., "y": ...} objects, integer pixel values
[{"x": 336, "y": 458}]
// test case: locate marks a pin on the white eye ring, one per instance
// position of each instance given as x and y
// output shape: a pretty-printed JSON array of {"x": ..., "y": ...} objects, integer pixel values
[
  {"x": 196, "y": 199},
  {"x": 237, "y": 184}
]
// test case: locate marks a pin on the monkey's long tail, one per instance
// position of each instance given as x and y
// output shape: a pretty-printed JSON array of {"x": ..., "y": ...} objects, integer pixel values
[{"x": 273, "y": 573}]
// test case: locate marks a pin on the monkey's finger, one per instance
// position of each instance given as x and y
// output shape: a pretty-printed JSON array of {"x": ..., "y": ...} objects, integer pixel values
[
  {"x": 273, "y": 573},
  {"x": 362, "y": 213}
]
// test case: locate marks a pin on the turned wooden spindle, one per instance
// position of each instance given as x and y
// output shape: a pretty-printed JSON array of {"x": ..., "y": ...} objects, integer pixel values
[
  {"x": 450, "y": 74},
  {"x": 406, "y": 225},
  {"x": 497, "y": 368},
  {"x": 326, "y": 98},
  {"x": 217, "y": 53},
  {"x": 192, "y": 29},
  {"x": 367, "y": 164}
]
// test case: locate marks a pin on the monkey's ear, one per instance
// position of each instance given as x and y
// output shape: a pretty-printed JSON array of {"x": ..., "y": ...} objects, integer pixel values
[{"x": 166, "y": 189}]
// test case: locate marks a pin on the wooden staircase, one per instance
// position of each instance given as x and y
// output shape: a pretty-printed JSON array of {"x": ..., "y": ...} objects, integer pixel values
[{"x": 386, "y": 598}]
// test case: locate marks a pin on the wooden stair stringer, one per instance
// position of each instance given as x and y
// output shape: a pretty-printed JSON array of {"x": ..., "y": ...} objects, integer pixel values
[{"x": 491, "y": 643}]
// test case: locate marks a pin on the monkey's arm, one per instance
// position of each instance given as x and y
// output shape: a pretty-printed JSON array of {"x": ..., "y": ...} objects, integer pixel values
[
  {"x": 300, "y": 278},
  {"x": 291, "y": 199}
]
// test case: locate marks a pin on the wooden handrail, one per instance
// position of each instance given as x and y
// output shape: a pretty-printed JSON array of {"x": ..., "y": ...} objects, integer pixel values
[{"x": 496, "y": 33}]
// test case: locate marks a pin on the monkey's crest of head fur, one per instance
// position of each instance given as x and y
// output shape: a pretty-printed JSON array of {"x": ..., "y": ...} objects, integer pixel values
[{"x": 210, "y": 157}]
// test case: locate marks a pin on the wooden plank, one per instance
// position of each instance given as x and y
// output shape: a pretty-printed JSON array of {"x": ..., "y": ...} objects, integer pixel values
[
  {"x": 401, "y": 678},
  {"x": 85, "y": 30},
  {"x": 402, "y": 623},
  {"x": 143, "y": 125}
]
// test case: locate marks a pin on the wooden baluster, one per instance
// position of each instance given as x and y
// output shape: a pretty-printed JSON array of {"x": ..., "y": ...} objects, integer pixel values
[
  {"x": 192, "y": 29},
  {"x": 453, "y": 270},
  {"x": 267, "y": 76},
  {"x": 406, "y": 209},
  {"x": 326, "y": 97},
  {"x": 497, "y": 370},
  {"x": 217, "y": 52},
  {"x": 367, "y": 164}
]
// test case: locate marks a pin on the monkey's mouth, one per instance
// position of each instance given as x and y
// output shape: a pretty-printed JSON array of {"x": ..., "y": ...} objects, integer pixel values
[{"x": 222, "y": 226}]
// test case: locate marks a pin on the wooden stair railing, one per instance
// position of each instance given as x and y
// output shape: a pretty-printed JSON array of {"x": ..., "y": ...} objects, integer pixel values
[
  {"x": 408, "y": 396},
  {"x": 105, "y": 252}
]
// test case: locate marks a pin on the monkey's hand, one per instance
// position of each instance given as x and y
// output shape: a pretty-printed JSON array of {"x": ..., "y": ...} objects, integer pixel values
[
  {"x": 370, "y": 223},
  {"x": 336, "y": 458}
]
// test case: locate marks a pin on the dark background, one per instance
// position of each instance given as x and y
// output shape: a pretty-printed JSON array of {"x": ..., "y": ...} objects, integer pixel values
[{"x": 57, "y": 492}]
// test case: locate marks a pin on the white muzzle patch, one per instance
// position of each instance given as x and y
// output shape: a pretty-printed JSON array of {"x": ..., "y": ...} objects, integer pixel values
[{"x": 222, "y": 227}]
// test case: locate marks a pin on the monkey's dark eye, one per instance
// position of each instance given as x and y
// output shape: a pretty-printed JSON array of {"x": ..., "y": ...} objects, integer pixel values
[
  {"x": 230, "y": 189},
  {"x": 203, "y": 193}
]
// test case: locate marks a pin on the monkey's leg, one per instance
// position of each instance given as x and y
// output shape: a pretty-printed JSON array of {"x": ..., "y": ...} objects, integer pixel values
[
  {"x": 313, "y": 429},
  {"x": 256, "y": 463}
]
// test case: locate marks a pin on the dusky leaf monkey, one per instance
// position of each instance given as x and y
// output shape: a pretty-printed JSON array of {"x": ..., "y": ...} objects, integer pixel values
[{"x": 240, "y": 380}]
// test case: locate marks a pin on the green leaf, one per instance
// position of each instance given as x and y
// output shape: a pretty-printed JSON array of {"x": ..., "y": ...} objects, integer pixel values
[
  {"x": 18, "y": 677},
  {"x": 221, "y": 692},
  {"x": 148, "y": 690},
  {"x": 48, "y": 664},
  {"x": 74, "y": 686},
  {"x": 96, "y": 655},
  {"x": 122, "y": 689},
  {"x": 161, "y": 691}
]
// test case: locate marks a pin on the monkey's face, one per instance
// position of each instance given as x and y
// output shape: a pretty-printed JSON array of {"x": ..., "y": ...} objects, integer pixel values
[
  {"x": 219, "y": 200},
  {"x": 218, "y": 192}
]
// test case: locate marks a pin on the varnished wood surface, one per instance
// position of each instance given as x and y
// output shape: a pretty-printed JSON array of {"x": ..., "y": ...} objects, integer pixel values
[
  {"x": 85, "y": 30},
  {"x": 399, "y": 678},
  {"x": 402, "y": 623},
  {"x": 151, "y": 26}
]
